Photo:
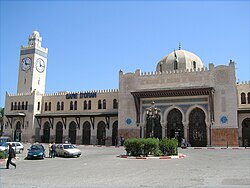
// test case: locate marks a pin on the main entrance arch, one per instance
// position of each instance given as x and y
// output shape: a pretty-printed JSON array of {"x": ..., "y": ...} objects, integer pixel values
[
  {"x": 46, "y": 132},
  {"x": 18, "y": 132},
  {"x": 175, "y": 125},
  {"x": 197, "y": 128},
  {"x": 59, "y": 132},
  {"x": 246, "y": 132},
  {"x": 86, "y": 132},
  {"x": 72, "y": 132},
  {"x": 101, "y": 133}
]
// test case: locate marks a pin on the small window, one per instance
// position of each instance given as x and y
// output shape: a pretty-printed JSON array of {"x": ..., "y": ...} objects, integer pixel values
[
  {"x": 49, "y": 106},
  {"x": 22, "y": 105},
  {"x": 89, "y": 105},
  {"x": 71, "y": 105},
  {"x": 58, "y": 106},
  {"x": 38, "y": 106},
  {"x": 11, "y": 106},
  {"x": 15, "y": 107},
  {"x": 19, "y": 106},
  {"x": 75, "y": 105},
  {"x": 46, "y": 106},
  {"x": 104, "y": 104},
  {"x": 194, "y": 64},
  {"x": 62, "y": 105},
  {"x": 243, "y": 98},
  {"x": 115, "y": 104},
  {"x": 175, "y": 65},
  {"x": 26, "y": 105},
  {"x": 85, "y": 105},
  {"x": 99, "y": 104}
]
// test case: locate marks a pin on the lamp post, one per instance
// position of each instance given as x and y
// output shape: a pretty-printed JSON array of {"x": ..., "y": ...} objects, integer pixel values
[{"x": 152, "y": 114}]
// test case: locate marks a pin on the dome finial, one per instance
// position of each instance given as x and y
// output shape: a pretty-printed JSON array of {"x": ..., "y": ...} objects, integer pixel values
[{"x": 179, "y": 46}]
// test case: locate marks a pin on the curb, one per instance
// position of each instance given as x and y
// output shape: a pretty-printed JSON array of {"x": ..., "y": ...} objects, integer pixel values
[{"x": 162, "y": 157}]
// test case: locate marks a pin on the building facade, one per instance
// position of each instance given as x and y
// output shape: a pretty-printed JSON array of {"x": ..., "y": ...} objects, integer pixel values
[{"x": 203, "y": 105}]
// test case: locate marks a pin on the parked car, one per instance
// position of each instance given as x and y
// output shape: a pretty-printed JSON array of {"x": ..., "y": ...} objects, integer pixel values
[
  {"x": 36, "y": 151},
  {"x": 4, "y": 139},
  {"x": 17, "y": 146},
  {"x": 67, "y": 150}
]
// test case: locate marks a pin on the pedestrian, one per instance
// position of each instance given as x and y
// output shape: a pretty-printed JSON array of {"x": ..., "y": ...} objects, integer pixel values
[
  {"x": 12, "y": 155},
  {"x": 50, "y": 150},
  {"x": 53, "y": 147}
]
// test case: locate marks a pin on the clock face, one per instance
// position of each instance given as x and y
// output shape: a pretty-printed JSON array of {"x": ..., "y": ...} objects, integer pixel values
[
  {"x": 26, "y": 63},
  {"x": 40, "y": 65}
]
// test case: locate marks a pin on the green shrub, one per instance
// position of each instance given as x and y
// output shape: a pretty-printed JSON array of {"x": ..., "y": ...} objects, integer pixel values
[
  {"x": 169, "y": 146},
  {"x": 3, "y": 154},
  {"x": 150, "y": 146}
]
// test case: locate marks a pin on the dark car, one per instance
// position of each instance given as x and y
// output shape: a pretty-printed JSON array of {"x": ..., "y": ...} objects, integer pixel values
[
  {"x": 36, "y": 151},
  {"x": 4, "y": 139}
]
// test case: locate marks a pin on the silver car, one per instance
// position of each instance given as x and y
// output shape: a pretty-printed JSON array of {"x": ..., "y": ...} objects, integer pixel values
[
  {"x": 17, "y": 146},
  {"x": 67, "y": 150}
]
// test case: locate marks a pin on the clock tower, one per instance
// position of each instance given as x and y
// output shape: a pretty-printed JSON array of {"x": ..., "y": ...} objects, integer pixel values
[{"x": 32, "y": 66}]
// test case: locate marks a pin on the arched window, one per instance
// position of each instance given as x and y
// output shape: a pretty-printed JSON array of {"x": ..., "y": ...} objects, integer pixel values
[
  {"x": 62, "y": 105},
  {"x": 26, "y": 105},
  {"x": 12, "y": 107},
  {"x": 22, "y": 105},
  {"x": 194, "y": 64},
  {"x": 19, "y": 106},
  {"x": 58, "y": 106},
  {"x": 89, "y": 105},
  {"x": 99, "y": 104},
  {"x": 71, "y": 105},
  {"x": 75, "y": 105},
  {"x": 115, "y": 104},
  {"x": 243, "y": 98},
  {"x": 49, "y": 106},
  {"x": 175, "y": 65},
  {"x": 38, "y": 106},
  {"x": 15, "y": 106},
  {"x": 85, "y": 105},
  {"x": 46, "y": 106},
  {"x": 104, "y": 103},
  {"x": 248, "y": 98}
]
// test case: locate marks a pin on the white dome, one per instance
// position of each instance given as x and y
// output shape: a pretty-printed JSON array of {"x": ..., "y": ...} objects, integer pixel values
[{"x": 179, "y": 60}]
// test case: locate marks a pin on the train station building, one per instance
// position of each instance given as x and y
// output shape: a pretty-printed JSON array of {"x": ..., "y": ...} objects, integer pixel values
[{"x": 203, "y": 105}]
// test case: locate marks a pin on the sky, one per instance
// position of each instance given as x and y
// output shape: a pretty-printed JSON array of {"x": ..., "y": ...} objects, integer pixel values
[{"x": 89, "y": 42}]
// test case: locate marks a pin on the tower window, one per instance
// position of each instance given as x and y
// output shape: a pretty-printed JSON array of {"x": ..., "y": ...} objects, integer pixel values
[
  {"x": 19, "y": 106},
  {"x": 26, "y": 105},
  {"x": 115, "y": 104},
  {"x": 22, "y": 106},
  {"x": 38, "y": 106},
  {"x": 85, "y": 105},
  {"x": 62, "y": 105},
  {"x": 11, "y": 106},
  {"x": 75, "y": 105},
  {"x": 58, "y": 106},
  {"x": 71, "y": 105},
  {"x": 46, "y": 106}
]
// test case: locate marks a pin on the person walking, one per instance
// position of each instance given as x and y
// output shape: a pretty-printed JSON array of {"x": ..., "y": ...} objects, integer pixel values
[
  {"x": 53, "y": 150},
  {"x": 50, "y": 150},
  {"x": 12, "y": 155}
]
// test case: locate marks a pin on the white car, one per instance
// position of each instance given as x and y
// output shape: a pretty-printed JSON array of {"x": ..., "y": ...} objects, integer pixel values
[
  {"x": 17, "y": 146},
  {"x": 67, "y": 150}
]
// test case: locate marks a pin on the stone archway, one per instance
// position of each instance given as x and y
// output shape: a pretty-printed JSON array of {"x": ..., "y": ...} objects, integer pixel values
[
  {"x": 175, "y": 127},
  {"x": 86, "y": 133},
  {"x": 59, "y": 132},
  {"x": 246, "y": 132},
  {"x": 115, "y": 134},
  {"x": 46, "y": 132},
  {"x": 18, "y": 132},
  {"x": 72, "y": 132},
  {"x": 197, "y": 128},
  {"x": 101, "y": 133}
]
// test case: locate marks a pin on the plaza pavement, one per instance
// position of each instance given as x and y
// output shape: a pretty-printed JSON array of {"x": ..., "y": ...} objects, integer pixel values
[{"x": 99, "y": 167}]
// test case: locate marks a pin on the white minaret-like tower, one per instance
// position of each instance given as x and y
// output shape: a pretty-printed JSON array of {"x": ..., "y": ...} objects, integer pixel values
[{"x": 32, "y": 66}]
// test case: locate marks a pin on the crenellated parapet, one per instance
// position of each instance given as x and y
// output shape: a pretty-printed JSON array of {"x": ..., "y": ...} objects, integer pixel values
[{"x": 243, "y": 83}]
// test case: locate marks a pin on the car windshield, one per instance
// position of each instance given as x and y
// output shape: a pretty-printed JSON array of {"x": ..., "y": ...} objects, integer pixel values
[
  {"x": 36, "y": 147},
  {"x": 68, "y": 146}
]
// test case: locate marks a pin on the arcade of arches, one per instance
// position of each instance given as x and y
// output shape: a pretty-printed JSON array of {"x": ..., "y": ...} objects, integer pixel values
[
  {"x": 61, "y": 134},
  {"x": 194, "y": 133}
]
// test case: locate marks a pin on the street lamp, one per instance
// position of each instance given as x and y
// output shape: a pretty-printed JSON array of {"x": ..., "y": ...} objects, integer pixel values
[{"x": 152, "y": 114}]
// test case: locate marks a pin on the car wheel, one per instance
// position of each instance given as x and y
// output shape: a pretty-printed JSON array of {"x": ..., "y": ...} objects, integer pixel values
[{"x": 78, "y": 156}]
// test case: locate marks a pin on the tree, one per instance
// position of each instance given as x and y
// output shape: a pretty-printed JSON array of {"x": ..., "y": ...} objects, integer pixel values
[{"x": 1, "y": 120}]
